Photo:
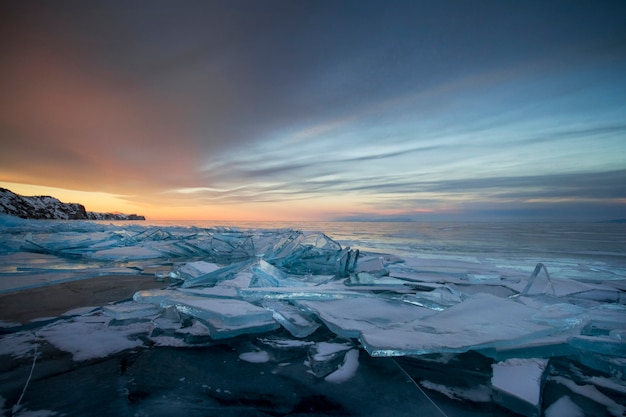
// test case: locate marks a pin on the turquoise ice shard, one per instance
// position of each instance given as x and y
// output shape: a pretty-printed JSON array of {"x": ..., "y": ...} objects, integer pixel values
[
  {"x": 311, "y": 253},
  {"x": 325, "y": 357},
  {"x": 518, "y": 384},
  {"x": 192, "y": 270},
  {"x": 296, "y": 321},
  {"x": 438, "y": 299},
  {"x": 217, "y": 275},
  {"x": 537, "y": 283},
  {"x": 224, "y": 317},
  {"x": 361, "y": 316},
  {"x": 267, "y": 275},
  {"x": 129, "y": 310},
  {"x": 394, "y": 329}
]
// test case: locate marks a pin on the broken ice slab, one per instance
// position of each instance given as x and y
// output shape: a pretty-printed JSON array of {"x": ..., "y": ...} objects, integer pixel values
[
  {"x": 365, "y": 278},
  {"x": 191, "y": 270},
  {"x": 225, "y": 317},
  {"x": 560, "y": 315},
  {"x": 296, "y": 321},
  {"x": 372, "y": 265},
  {"x": 282, "y": 349},
  {"x": 130, "y": 310},
  {"x": 392, "y": 329},
  {"x": 592, "y": 393},
  {"x": 217, "y": 275},
  {"x": 125, "y": 253},
  {"x": 604, "y": 319},
  {"x": 310, "y": 253},
  {"x": 603, "y": 345},
  {"x": 325, "y": 357},
  {"x": 267, "y": 275},
  {"x": 322, "y": 292},
  {"x": 541, "y": 282},
  {"x": 232, "y": 245},
  {"x": 461, "y": 377},
  {"x": 354, "y": 317},
  {"x": 438, "y": 299},
  {"x": 564, "y": 406},
  {"x": 434, "y": 277},
  {"x": 518, "y": 384}
]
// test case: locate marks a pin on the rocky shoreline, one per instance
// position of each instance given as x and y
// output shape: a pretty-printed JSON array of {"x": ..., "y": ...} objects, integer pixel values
[{"x": 50, "y": 208}]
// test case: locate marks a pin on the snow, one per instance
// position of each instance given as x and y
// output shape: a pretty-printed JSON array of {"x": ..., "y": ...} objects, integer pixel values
[
  {"x": 521, "y": 378},
  {"x": 592, "y": 393},
  {"x": 346, "y": 370},
  {"x": 564, "y": 406},
  {"x": 255, "y": 357},
  {"x": 18, "y": 345},
  {"x": 86, "y": 339}
]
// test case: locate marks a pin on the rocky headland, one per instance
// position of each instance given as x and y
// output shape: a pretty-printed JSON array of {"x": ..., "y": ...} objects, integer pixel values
[{"x": 50, "y": 208}]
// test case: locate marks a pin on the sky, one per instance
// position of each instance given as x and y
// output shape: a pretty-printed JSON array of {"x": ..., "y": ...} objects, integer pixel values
[{"x": 317, "y": 110}]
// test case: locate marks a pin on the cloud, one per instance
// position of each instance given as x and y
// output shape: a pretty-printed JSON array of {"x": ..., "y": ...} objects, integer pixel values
[{"x": 242, "y": 102}]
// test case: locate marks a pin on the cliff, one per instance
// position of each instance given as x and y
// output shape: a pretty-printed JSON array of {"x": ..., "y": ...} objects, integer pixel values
[{"x": 46, "y": 207}]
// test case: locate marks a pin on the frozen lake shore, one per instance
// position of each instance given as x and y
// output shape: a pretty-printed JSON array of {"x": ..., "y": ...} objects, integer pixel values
[{"x": 283, "y": 322}]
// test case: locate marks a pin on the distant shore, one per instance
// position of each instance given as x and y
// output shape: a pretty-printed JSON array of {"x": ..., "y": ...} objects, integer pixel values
[{"x": 44, "y": 207}]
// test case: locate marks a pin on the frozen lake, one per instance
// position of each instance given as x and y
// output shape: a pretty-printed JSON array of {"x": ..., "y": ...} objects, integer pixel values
[{"x": 307, "y": 319}]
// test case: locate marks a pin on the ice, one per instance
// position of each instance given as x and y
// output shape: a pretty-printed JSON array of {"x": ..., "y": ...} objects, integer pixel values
[
  {"x": 354, "y": 317},
  {"x": 215, "y": 276},
  {"x": 392, "y": 329},
  {"x": 604, "y": 345},
  {"x": 438, "y": 299},
  {"x": 564, "y": 406},
  {"x": 86, "y": 339},
  {"x": 475, "y": 328},
  {"x": 297, "y": 322},
  {"x": 480, "y": 393},
  {"x": 347, "y": 369},
  {"x": 541, "y": 284},
  {"x": 325, "y": 358},
  {"x": 518, "y": 384},
  {"x": 129, "y": 310},
  {"x": 224, "y": 317},
  {"x": 312, "y": 253},
  {"x": 192, "y": 270},
  {"x": 591, "y": 392}
]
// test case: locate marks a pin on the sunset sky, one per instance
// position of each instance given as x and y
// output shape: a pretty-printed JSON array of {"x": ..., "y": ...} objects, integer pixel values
[{"x": 317, "y": 110}]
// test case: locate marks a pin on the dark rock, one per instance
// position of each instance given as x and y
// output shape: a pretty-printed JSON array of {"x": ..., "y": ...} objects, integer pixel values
[{"x": 46, "y": 207}]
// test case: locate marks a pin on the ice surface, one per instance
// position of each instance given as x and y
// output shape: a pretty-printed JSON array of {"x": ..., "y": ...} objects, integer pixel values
[
  {"x": 285, "y": 299},
  {"x": 564, "y": 406},
  {"x": 518, "y": 384},
  {"x": 87, "y": 339},
  {"x": 325, "y": 358},
  {"x": 224, "y": 317},
  {"x": 296, "y": 321},
  {"x": 347, "y": 369},
  {"x": 591, "y": 392}
]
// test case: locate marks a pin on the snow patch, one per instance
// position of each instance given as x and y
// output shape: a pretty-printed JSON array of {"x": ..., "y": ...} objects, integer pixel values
[
  {"x": 347, "y": 369},
  {"x": 255, "y": 357}
]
